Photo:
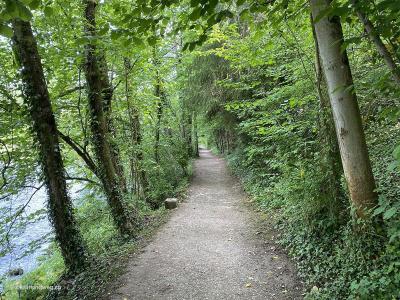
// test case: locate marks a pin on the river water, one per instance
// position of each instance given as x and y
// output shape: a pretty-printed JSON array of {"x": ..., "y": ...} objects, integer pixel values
[{"x": 17, "y": 257}]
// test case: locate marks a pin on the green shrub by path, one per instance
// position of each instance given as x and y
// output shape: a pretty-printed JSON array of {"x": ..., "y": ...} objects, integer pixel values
[{"x": 335, "y": 260}]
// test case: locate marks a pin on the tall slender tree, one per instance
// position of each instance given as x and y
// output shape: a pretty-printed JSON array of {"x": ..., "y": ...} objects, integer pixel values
[
  {"x": 160, "y": 98},
  {"x": 108, "y": 93},
  {"x": 137, "y": 168},
  {"x": 346, "y": 113},
  {"x": 377, "y": 41},
  {"x": 188, "y": 126},
  {"x": 125, "y": 222},
  {"x": 196, "y": 135},
  {"x": 160, "y": 108},
  {"x": 37, "y": 98}
]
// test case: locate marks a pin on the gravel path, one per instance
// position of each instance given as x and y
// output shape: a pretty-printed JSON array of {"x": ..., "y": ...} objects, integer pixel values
[{"x": 210, "y": 248}]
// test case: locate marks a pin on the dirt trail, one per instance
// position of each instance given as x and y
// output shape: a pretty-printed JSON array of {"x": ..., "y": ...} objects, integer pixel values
[{"x": 210, "y": 249}]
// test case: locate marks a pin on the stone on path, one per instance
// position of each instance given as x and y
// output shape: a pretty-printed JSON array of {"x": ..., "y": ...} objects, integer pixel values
[{"x": 171, "y": 203}]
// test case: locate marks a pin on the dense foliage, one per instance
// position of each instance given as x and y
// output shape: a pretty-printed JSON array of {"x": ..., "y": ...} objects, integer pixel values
[
  {"x": 264, "y": 113},
  {"x": 243, "y": 77}
]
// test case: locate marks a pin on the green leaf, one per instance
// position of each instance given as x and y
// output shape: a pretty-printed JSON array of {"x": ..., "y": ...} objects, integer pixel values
[
  {"x": 104, "y": 29},
  {"x": 23, "y": 12},
  {"x": 254, "y": 8},
  {"x": 192, "y": 46},
  {"x": 224, "y": 14},
  {"x": 6, "y": 31},
  {"x": 211, "y": 20},
  {"x": 152, "y": 40},
  {"x": 185, "y": 46},
  {"x": 34, "y": 4},
  {"x": 48, "y": 11},
  {"x": 341, "y": 11},
  {"x": 137, "y": 41},
  {"x": 245, "y": 15},
  {"x": 347, "y": 42},
  {"x": 115, "y": 34},
  {"x": 11, "y": 8},
  {"x": 82, "y": 40},
  {"x": 212, "y": 5},
  {"x": 396, "y": 152},
  {"x": 195, "y": 14},
  {"x": 379, "y": 210},
  {"x": 194, "y": 3},
  {"x": 390, "y": 213},
  {"x": 323, "y": 13},
  {"x": 392, "y": 166}
]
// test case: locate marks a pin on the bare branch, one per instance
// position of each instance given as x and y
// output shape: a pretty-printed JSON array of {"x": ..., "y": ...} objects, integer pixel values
[
  {"x": 70, "y": 91},
  {"x": 20, "y": 211},
  {"x": 129, "y": 69},
  {"x": 82, "y": 179},
  {"x": 80, "y": 151}
]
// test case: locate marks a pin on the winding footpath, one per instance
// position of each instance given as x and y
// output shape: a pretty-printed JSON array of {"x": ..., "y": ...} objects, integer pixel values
[{"x": 210, "y": 248}]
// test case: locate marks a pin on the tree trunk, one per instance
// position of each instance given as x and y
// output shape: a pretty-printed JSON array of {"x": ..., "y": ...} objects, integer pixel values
[
  {"x": 81, "y": 152},
  {"x": 160, "y": 106},
  {"x": 100, "y": 132},
  {"x": 136, "y": 137},
  {"x": 375, "y": 38},
  {"x": 329, "y": 144},
  {"x": 108, "y": 92},
  {"x": 189, "y": 135},
  {"x": 196, "y": 135},
  {"x": 44, "y": 126},
  {"x": 161, "y": 98},
  {"x": 346, "y": 113}
]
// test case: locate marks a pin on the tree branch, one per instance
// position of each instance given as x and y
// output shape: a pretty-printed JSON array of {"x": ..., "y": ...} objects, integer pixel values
[
  {"x": 82, "y": 179},
  {"x": 70, "y": 91},
  {"x": 20, "y": 211},
  {"x": 81, "y": 152},
  {"x": 129, "y": 69}
]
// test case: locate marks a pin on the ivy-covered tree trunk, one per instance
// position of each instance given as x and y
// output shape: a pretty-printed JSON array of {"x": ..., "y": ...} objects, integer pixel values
[
  {"x": 44, "y": 126},
  {"x": 137, "y": 139},
  {"x": 346, "y": 113},
  {"x": 160, "y": 107},
  {"x": 108, "y": 92},
  {"x": 136, "y": 136},
  {"x": 160, "y": 100},
  {"x": 100, "y": 133}
]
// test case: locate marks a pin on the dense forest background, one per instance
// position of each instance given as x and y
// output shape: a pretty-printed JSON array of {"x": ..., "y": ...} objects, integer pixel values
[{"x": 112, "y": 99}]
